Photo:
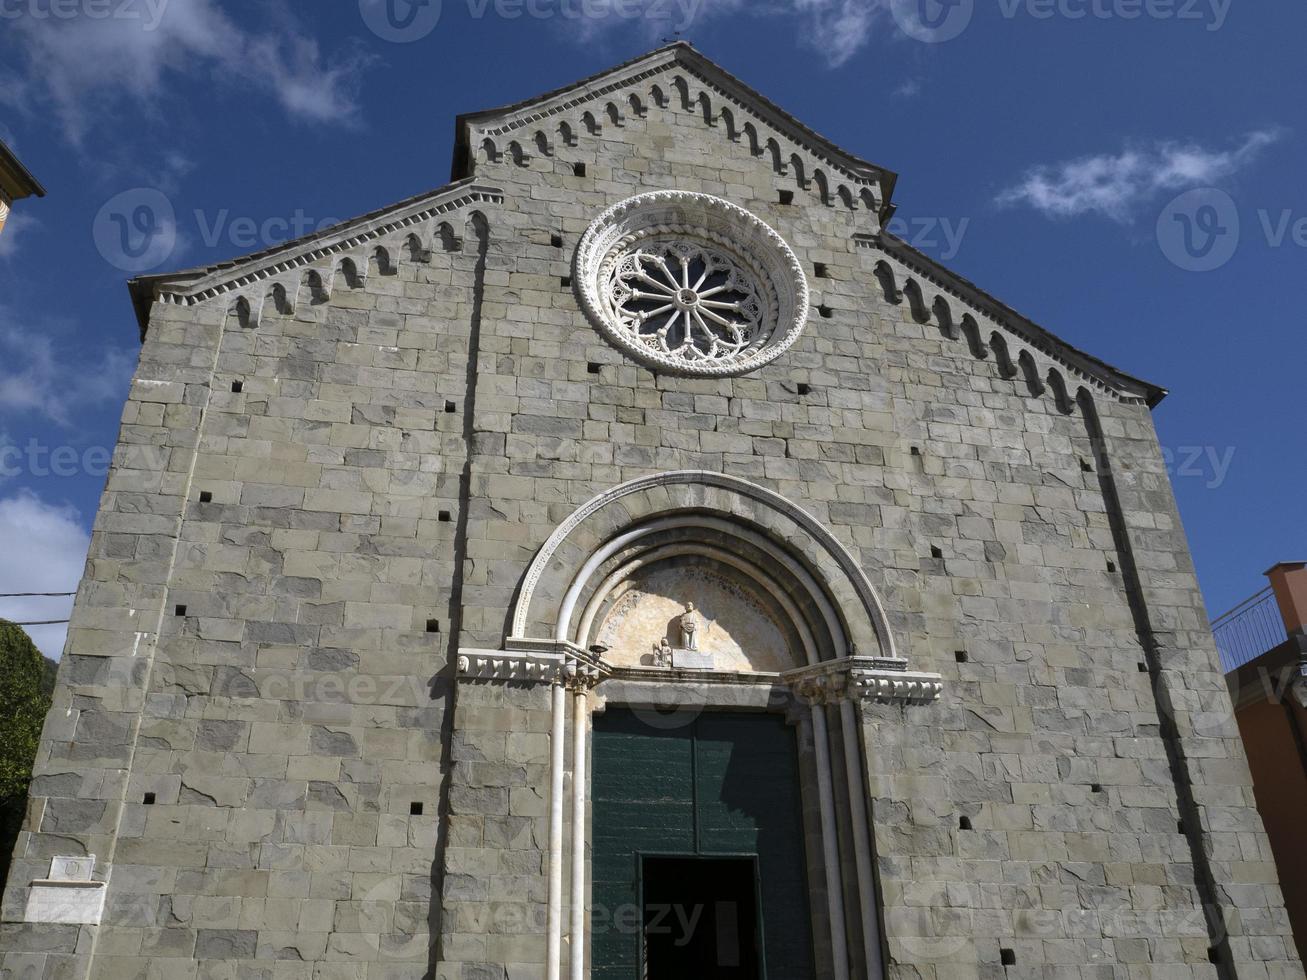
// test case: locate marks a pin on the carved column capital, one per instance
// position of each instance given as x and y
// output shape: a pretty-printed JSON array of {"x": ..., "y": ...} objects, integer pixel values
[
  {"x": 820, "y": 689},
  {"x": 579, "y": 676}
]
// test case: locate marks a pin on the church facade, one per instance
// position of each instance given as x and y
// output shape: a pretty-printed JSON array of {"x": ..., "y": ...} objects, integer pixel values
[{"x": 629, "y": 560}]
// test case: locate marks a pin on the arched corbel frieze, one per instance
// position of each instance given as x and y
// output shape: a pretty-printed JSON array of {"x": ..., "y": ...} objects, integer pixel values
[{"x": 1040, "y": 366}]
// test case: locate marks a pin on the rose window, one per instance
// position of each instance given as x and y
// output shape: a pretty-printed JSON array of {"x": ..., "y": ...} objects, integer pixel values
[
  {"x": 691, "y": 284},
  {"x": 684, "y": 300}
]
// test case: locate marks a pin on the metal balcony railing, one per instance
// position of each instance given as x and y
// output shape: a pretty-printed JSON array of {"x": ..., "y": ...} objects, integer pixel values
[{"x": 1249, "y": 630}]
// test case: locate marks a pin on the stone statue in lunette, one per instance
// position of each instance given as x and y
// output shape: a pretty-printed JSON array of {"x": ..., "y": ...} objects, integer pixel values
[{"x": 691, "y": 626}]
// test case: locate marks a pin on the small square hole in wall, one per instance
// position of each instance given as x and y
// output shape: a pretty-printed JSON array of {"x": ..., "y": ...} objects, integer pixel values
[
  {"x": 592, "y": 368},
  {"x": 433, "y": 626},
  {"x": 1007, "y": 957},
  {"x": 1111, "y": 565},
  {"x": 565, "y": 282},
  {"x": 1085, "y": 466},
  {"x": 1096, "y": 788},
  {"x": 820, "y": 270},
  {"x": 936, "y": 552},
  {"x": 787, "y": 197},
  {"x": 916, "y": 450},
  {"x": 451, "y": 408},
  {"x": 148, "y": 799},
  {"x": 825, "y": 311},
  {"x": 964, "y": 823},
  {"x": 206, "y": 497},
  {"x": 1143, "y": 667},
  {"x": 415, "y": 809},
  {"x": 803, "y": 388},
  {"x": 556, "y": 241},
  {"x": 445, "y": 517},
  {"x": 180, "y": 611},
  {"x": 578, "y": 169},
  {"x": 960, "y": 656},
  {"x": 237, "y": 387}
]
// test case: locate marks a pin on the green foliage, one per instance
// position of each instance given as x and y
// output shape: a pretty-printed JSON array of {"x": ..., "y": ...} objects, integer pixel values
[
  {"x": 48, "y": 676},
  {"x": 24, "y": 701}
]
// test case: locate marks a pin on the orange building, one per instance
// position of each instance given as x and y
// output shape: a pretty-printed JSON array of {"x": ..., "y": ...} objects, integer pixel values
[{"x": 1263, "y": 644}]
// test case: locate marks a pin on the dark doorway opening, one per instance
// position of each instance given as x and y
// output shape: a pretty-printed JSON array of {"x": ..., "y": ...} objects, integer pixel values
[
  {"x": 701, "y": 918},
  {"x": 722, "y": 787}
]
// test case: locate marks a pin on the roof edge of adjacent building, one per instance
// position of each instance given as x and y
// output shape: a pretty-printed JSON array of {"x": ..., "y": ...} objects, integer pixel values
[{"x": 16, "y": 181}]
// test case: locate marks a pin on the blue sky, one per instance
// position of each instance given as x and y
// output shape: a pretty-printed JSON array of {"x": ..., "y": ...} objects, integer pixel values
[{"x": 1129, "y": 173}]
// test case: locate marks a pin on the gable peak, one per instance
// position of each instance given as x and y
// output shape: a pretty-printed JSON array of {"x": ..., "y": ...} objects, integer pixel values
[{"x": 675, "y": 73}]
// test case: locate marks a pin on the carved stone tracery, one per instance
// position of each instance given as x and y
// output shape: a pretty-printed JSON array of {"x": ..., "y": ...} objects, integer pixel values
[{"x": 687, "y": 300}]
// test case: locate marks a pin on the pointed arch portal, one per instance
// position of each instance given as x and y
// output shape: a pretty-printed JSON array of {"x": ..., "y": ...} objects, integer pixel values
[{"x": 689, "y": 602}]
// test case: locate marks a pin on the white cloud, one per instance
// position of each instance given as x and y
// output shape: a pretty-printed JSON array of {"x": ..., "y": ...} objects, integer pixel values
[
  {"x": 45, "y": 551},
  {"x": 835, "y": 29},
  {"x": 656, "y": 20},
  {"x": 1117, "y": 186},
  {"x": 37, "y": 378},
  {"x": 838, "y": 29},
  {"x": 84, "y": 65}
]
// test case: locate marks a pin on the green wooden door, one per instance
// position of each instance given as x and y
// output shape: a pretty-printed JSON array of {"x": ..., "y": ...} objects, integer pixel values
[{"x": 725, "y": 784}]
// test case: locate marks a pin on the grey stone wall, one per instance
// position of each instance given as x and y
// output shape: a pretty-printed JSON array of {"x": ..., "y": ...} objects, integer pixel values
[
  {"x": 397, "y": 456},
  {"x": 494, "y": 885}
]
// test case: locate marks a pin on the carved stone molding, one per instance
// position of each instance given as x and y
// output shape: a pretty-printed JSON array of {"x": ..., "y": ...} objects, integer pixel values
[
  {"x": 872, "y": 679},
  {"x": 532, "y": 663},
  {"x": 669, "y": 245},
  {"x": 494, "y": 665},
  {"x": 875, "y": 679},
  {"x": 895, "y": 689},
  {"x": 768, "y": 498}
]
